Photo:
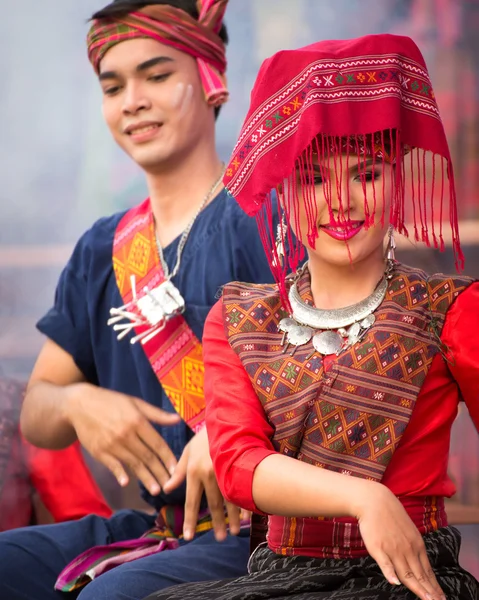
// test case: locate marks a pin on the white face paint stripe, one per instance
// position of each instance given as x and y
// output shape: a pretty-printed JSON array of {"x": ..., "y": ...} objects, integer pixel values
[
  {"x": 182, "y": 97},
  {"x": 178, "y": 94}
]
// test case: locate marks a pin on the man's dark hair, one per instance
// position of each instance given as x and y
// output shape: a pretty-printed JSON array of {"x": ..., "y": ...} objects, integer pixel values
[{"x": 120, "y": 8}]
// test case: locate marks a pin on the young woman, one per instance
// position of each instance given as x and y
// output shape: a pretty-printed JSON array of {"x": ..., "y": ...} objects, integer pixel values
[{"x": 332, "y": 394}]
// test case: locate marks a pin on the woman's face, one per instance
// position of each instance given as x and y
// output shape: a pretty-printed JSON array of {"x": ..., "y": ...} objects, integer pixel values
[{"x": 353, "y": 189}]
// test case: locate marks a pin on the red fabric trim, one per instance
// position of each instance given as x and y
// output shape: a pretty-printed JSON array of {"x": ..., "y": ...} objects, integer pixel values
[{"x": 64, "y": 483}]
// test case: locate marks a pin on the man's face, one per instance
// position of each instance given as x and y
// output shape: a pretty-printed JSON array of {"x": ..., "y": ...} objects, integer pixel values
[{"x": 153, "y": 101}]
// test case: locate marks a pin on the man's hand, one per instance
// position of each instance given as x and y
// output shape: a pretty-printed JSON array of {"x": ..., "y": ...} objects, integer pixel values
[
  {"x": 196, "y": 466},
  {"x": 116, "y": 430}
]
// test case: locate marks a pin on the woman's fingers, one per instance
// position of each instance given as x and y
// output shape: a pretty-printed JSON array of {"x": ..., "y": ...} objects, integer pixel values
[
  {"x": 234, "y": 518},
  {"x": 415, "y": 572},
  {"x": 412, "y": 570},
  {"x": 394, "y": 541},
  {"x": 387, "y": 568},
  {"x": 217, "y": 508},
  {"x": 426, "y": 571}
]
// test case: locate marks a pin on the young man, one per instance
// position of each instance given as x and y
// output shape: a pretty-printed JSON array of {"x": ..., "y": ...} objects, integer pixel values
[{"x": 161, "y": 66}]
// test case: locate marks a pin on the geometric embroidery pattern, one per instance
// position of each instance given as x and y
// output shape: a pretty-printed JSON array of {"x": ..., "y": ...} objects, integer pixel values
[
  {"x": 139, "y": 254},
  {"x": 360, "y": 79},
  {"x": 350, "y": 416},
  {"x": 175, "y": 353}
]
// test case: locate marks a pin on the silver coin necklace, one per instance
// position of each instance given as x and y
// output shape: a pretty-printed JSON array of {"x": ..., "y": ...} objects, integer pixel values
[
  {"x": 331, "y": 331},
  {"x": 155, "y": 307}
]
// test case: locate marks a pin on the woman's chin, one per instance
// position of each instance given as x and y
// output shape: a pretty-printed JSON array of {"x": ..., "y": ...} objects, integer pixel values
[
  {"x": 335, "y": 259},
  {"x": 345, "y": 256},
  {"x": 342, "y": 254}
]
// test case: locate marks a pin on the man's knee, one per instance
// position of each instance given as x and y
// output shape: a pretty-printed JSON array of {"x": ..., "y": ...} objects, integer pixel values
[
  {"x": 131, "y": 581},
  {"x": 17, "y": 566},
  {"x": 113, "y": 585},
  {"x": 14, "y": 553}
]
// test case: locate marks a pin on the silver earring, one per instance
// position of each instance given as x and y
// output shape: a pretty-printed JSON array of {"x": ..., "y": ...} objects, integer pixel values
[
  {"x": 390, "y": 253},
  {"x": 280, "y": 234}
]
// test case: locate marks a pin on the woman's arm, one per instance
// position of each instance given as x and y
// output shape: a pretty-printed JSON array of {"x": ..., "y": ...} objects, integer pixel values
[
  {"x": 254, "y": 476},
  {"x": 238, "y": 432},
  {"x": 250, "y": 472},
  {"x": 461, "y": 336}
]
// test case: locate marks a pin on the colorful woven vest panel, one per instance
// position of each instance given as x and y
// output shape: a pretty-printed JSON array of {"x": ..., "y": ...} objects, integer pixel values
[{"x": 346, "y": 414}]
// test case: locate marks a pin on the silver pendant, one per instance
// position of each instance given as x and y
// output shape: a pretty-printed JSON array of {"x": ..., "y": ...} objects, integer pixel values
[
  {"x": 328, "y": 342},
  {"x": 161, "y": 303},
  {"x": 354, "y": 330},
  {"x": 299, "y": 335},
  {"x": 286, "y": 324},
  {"x": 368, "y": 321}
]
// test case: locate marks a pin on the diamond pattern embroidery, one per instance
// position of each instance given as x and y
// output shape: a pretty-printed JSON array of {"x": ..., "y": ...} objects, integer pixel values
[
  {"x": 139, "y": 254},
  {"x": 318, "y": 423},
  {"x": 193, "y": 376}
]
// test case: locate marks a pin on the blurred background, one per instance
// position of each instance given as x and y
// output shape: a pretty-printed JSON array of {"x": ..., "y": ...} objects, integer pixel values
[{"x": 60, "y": 171}]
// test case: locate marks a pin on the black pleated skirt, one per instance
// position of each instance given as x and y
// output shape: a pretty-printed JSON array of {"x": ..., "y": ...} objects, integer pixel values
[{"x": 305, "y": 578}]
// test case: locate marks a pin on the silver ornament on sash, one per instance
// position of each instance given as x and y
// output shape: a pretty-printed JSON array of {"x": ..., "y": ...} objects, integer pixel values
[
  {"x": 157, "y": 306},
  {"x": 154, "y": 308}
]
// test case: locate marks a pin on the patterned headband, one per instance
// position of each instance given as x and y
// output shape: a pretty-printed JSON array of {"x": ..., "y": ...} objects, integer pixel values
[
  {"x": 377, "y": 145},
  {"x": 173, "y": 27}
]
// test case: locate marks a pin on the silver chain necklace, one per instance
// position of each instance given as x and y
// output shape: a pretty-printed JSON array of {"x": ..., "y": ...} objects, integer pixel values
[
  {"x": 327, "y": 328},
  {"x": 155, "y": 307},
  {"x": 185, "y": 234}
]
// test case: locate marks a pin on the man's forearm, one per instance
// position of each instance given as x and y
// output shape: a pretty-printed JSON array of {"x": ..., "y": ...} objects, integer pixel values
[{"x": 44, "y": 419}]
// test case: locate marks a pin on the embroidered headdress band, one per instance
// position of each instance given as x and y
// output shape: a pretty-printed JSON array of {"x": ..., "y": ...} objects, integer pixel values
[
  {"x": 341, "y": 100},
  {"x": 176, "y": 28}
]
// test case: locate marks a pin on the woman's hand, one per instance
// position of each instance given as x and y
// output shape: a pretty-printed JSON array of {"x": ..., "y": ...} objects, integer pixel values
[
  {"x": 395, "y": 543},
  {"x": 196, "y": 467}
]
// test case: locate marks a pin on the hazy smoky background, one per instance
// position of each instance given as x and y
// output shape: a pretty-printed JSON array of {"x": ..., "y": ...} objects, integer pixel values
[{"x": 60, "y": 171}]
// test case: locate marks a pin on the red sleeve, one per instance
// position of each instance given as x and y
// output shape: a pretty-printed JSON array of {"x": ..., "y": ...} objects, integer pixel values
[
  {"x": 238, "y": 432},
  {"x": 64, "y": 483},
  {"x": 461, "y": 335}
]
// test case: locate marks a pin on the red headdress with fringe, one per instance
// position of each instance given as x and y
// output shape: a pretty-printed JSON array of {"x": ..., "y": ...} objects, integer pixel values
[{"x": 366, "y": 96}]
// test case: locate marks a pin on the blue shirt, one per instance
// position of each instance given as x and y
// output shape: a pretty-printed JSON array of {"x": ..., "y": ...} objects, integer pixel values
[{"x": 223, "y": 246}]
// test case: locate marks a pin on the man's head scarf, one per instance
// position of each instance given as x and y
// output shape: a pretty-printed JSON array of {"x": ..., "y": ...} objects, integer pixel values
[
  {"x": 173, "y": 27},
  {"x": 370, "y": 96}
]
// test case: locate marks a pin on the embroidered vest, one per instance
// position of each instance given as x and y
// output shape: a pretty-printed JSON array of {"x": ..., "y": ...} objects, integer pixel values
[{"x": 349, "y": 417}]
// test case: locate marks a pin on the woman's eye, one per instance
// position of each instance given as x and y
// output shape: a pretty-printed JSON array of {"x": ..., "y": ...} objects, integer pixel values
[
  {"x": 316, "y": 180},
  {"x": 367, "y": 176}
]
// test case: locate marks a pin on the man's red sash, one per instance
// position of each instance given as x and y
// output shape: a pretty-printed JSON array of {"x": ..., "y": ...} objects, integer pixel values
[{"x": 175, "y": 353}]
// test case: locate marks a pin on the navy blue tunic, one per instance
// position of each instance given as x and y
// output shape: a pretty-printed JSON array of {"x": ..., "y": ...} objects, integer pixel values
[{"x": 223, "y": 246}]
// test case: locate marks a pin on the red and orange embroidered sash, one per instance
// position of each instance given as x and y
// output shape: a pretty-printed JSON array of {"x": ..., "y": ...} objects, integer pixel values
[{"x": 175, "y": 353}]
